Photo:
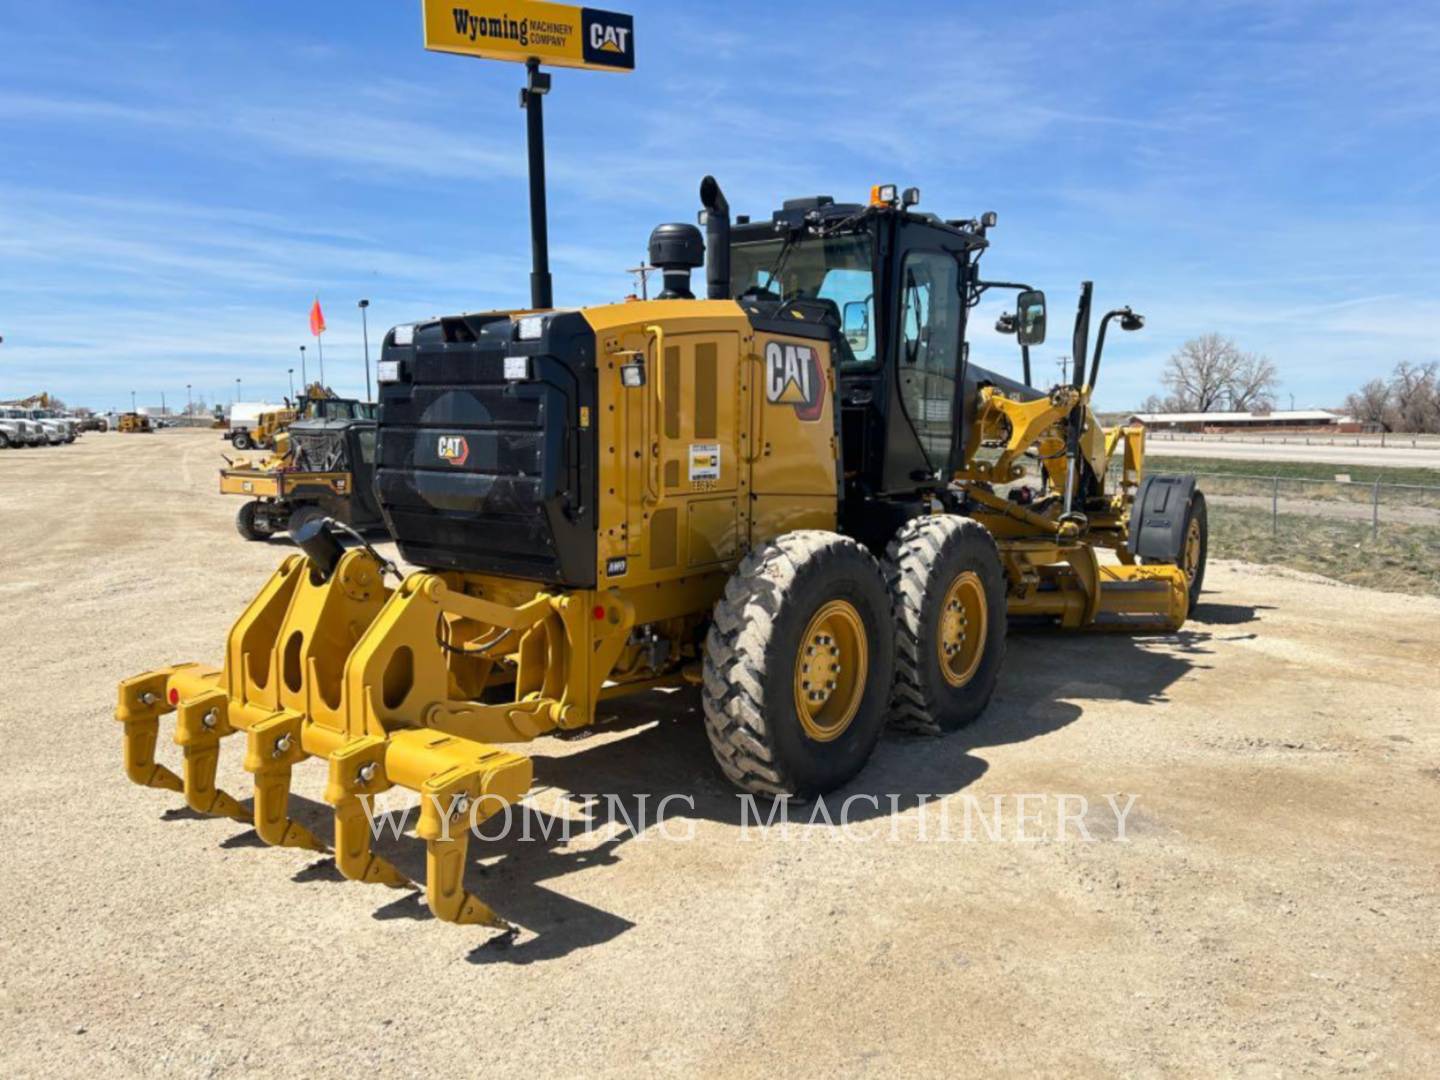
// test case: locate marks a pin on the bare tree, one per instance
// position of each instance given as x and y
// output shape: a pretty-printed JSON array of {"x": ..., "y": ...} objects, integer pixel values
[
  {"x": 1199, "y": 373},
  {"x": 1416, "y": 396},
  {"x": 1210, "y": 373},
  {"x": 1252, "y": 383},
  {"x": 1371, "y": 405},
  {"x": 1155, "y": 404}
]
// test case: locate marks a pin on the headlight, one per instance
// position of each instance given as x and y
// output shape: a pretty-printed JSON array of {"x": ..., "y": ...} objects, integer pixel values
[
  {"x": 403, "y": 335},
  {"x": 388, "y": 371},
  {"x": 517, "y": 367},
  {"x": 529, "y": 327}
]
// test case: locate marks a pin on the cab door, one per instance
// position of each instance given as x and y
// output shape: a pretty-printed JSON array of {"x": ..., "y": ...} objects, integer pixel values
[{"x": 929, "y": 331}]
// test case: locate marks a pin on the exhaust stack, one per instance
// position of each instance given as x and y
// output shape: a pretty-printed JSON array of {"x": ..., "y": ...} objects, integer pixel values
[{"x": 716, "y": 219}]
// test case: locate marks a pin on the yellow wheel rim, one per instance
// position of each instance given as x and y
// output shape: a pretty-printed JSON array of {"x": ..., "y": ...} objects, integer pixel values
[
  {"x": 1192, "y": 550},
  {"x": 830, "y": 671},
  {"x": 964, "y": 620}
]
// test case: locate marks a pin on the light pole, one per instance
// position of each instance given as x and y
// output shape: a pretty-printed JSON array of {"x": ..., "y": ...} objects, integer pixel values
[
  {"x": 189, "y": 404},
  {"x": 365, "y": 333},
  {"x": 132, "y": 401},
  {"x": 291, "y": 373},
  {"x": 162, "y": 403},
  {"x": 237, "y": 391},
  {"x": 304, "y": 379}
]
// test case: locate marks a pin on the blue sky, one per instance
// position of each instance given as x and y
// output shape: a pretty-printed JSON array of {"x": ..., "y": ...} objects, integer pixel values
[{"x": 178, "y": 180}]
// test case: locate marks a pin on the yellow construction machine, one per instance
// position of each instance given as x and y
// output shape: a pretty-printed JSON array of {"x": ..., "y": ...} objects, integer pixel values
[
  {"x": 136, "y": 423},
  {"x": 798, "y": 493},
  {"x": 323, "y": 465}
]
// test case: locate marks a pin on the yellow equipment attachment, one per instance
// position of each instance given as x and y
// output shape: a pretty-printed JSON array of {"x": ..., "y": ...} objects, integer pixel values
[
  {"x": 1051, "y": 560},
  {"x": 353, "y": 672}
]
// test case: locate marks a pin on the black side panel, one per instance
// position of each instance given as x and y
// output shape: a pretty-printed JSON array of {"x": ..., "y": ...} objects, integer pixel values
[
  {"x": 1157, "y": 520},
  {"x": 482, "y": 473}
]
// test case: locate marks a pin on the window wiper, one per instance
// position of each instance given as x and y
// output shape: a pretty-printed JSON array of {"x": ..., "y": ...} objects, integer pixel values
[{"x": 780, "y": 259}]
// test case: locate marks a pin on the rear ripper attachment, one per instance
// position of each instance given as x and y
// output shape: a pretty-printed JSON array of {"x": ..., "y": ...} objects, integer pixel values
[{"x": 384, "y": 684}]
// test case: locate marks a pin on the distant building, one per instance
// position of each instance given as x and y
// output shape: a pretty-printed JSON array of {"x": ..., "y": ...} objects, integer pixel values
[{"x": 1275, "y": 420}]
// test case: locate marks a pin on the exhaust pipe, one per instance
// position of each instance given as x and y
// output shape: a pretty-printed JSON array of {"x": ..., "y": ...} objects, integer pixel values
[{"x": 717, "y": 239}]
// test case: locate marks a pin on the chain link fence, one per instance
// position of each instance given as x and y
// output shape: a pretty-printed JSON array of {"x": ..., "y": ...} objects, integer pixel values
[{"x": 1376, "y": 534}]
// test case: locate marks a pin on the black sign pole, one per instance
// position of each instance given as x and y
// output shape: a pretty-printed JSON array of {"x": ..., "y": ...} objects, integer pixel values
[{"x": 531, "y": 100}]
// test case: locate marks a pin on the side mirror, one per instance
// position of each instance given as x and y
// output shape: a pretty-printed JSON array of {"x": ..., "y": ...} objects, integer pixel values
[
  {"x": 1030, "y": 317},
  {"x": 855, "y": 322}
]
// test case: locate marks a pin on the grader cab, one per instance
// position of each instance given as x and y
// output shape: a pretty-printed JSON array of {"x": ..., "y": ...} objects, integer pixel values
[{"x": 797, "y": 493}]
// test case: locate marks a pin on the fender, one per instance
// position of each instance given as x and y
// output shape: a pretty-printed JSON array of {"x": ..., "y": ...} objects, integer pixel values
[{"x": 1157, "y": 521}]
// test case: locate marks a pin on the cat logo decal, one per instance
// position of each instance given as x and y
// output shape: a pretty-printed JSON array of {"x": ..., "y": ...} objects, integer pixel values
[
  {"x": 453, "y": 448},
  {"x": 793, "y": 377}
]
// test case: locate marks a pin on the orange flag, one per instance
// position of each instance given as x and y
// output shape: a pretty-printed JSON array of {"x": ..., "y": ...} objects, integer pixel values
[{"x": 317, "y": 319}]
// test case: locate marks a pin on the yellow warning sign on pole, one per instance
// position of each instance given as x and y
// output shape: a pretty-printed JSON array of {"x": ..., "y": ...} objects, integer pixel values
[{"x": 523, "y": 30}]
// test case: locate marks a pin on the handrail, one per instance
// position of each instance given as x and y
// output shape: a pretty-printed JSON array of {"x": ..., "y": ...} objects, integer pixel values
[{"x": 652, "y": 467}]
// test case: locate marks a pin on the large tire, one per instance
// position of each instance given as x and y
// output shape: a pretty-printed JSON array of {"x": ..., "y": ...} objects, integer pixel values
[
  {"x": 1195, "y": 548},
  {"x": 250, "y": 524},
  {"x": 945, "y": 577},
  {"x": 4, "y": 441},
  {"x": 241, "y": 440},
  {"x": 778, "y": 722}
]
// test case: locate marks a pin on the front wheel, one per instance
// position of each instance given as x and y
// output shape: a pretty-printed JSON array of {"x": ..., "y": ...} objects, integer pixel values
[
  {"x": 241, "y": 440},
  {"x": 1195, "y": 549},
  {"x": 798, "y": 665},
  {"x": 947, "y": 590}
]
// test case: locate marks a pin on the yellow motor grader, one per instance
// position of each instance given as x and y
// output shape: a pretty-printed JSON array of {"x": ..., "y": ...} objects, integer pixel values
[{"x": 797, "y": 493}]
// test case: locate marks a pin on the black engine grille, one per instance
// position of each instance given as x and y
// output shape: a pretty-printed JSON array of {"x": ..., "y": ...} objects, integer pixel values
[{"x": 482, "y": 473}]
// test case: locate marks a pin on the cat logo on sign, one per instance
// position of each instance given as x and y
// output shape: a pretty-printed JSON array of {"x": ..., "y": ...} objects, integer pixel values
[
  {"x": 793, "y": 377},
  {"x": 453, "y": 448}
]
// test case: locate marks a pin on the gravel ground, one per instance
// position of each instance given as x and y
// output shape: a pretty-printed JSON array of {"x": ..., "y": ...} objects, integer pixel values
[{"x": 1269, "y": 904}]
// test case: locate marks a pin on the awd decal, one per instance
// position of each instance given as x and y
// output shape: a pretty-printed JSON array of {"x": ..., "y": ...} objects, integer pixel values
[
  {"x": 615, "y": 567},
  {"x": 453, "y": 448},
  {"x": 793, "y": 377}
]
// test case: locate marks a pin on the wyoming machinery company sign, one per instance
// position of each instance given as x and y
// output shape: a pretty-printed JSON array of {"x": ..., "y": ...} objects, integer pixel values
[{"x": 551, "y": 33}]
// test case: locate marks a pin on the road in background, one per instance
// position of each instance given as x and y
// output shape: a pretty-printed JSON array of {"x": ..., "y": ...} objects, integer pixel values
[{"x": 1406, "y": 456}]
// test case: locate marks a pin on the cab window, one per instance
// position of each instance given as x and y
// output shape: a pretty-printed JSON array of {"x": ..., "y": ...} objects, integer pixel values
[
  {"x": 930, "y": 315},
  {"x": 837, "y": 269}
]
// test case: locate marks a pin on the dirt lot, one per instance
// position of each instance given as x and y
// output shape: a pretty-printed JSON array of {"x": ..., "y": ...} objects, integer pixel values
[{"x": 1271, "y": 908}]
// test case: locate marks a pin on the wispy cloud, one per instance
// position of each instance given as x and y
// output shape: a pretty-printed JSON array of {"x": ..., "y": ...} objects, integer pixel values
[{"x": 174, "y": 190}]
